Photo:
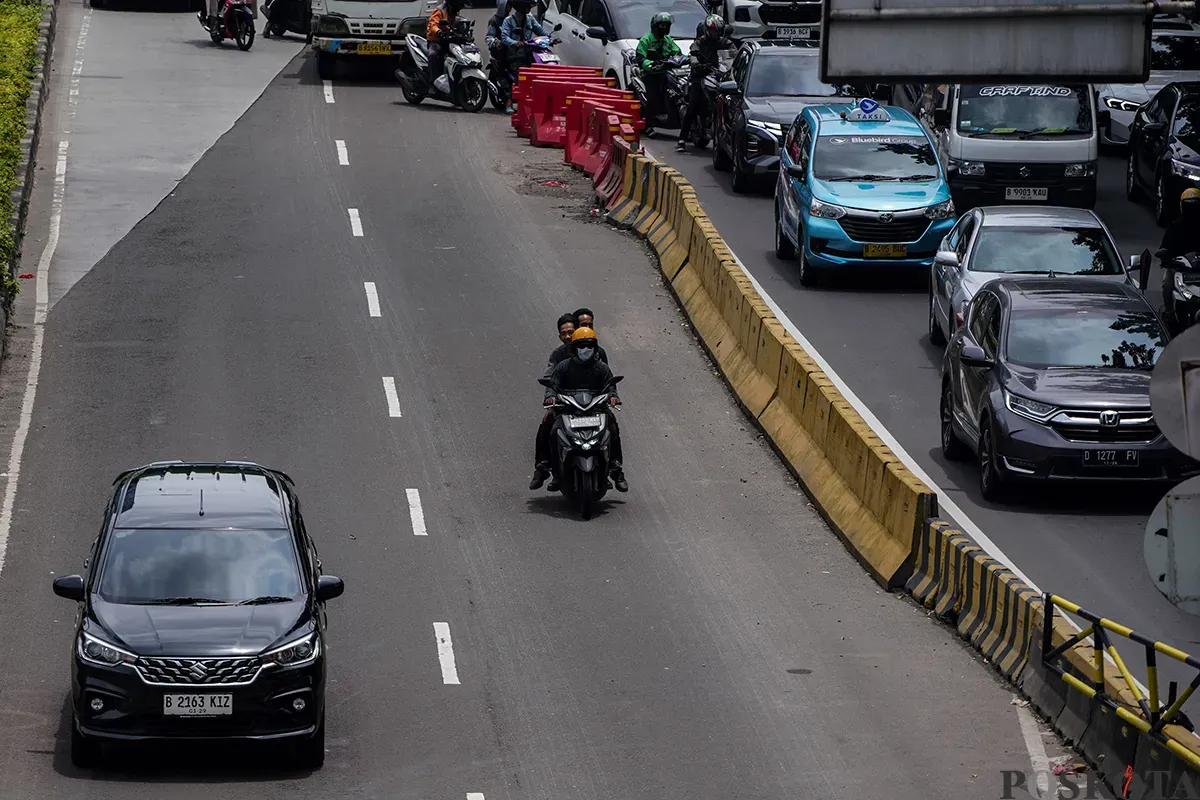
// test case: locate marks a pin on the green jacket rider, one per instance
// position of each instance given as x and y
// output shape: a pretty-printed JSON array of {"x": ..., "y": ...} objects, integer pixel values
[{"x": 657, "y": 46}]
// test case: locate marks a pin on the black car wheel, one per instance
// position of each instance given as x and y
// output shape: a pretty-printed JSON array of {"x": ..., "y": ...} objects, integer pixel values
[
  {"x": 85, "y": 753},
  {"x": 952, "y": 447},
  {"x": 784, "y": 249},
  {"x": 1132, "y": 192},
  {"x": 935, "y": 330},
  {"x": 310, "y": 752},
  {"x": 741, "y": 180},
  {"x": 991, "y": 477},
  {"x": 805, "y": 272}
]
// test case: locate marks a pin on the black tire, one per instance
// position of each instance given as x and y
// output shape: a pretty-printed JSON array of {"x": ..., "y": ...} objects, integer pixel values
[
  {"x": 953, "y": 448},
  {"x": 805, "y": 272},
  {"x": 721, "y": 161},
  {"x": 243, "y": 31},
  {"x": 326, "y": 66},
  {"x": 497, "y": 101},
  {"x": 991, "y": 478},
  {"x": 584, "y": 499},
  {"x": 1133, "y": 192},
  {"x": 742, "y": 182},
  {"x": 85, "y": 753},
  {"x": 784, "y": 249},
  {"x": 413, "y": 97},
  {"x": 472, "y": 95},
  {"x": 936, "y": 335},
  {"x": 310, "y": 752}
]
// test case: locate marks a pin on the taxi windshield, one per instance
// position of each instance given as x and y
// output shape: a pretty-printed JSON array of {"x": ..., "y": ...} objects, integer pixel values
[
  {"x": 1024, "y": 111},
  {"x": 874, "y": 158}
]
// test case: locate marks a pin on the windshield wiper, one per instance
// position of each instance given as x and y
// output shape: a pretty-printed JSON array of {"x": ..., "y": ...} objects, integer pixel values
[
  {"x": 863, "y": 178},
  {"x": 918, "y": 178},
  {"x": 182, "y": 601},
  {"x": 1042, "y": 132},
  {"x": 266, "y": 599}
]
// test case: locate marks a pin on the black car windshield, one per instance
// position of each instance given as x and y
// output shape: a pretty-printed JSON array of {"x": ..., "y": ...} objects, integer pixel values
[
  {"x": 1170, "y": 51},
  {"x": 152, "y": 566},
  {"x": 1020, "y": 110},
  {"x": 874, "y": 158},
  {"x": 790, "y": 73},
  {"x": 1066, "y": 251},
  {"x": 631, "y": 18},
  {"x": 1092, "y": 338}
]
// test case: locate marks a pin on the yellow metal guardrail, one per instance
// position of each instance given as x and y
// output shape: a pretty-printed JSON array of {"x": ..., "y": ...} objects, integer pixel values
[{"x": 1155, "y": 717}]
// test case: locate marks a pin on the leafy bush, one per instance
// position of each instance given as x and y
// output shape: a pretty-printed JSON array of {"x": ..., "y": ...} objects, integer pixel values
[{"x": 19, "y": 20}]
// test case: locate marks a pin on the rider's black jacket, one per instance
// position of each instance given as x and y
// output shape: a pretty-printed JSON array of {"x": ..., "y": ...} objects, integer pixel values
[
  {"x": 1181, "y": 237},
  {"x": 573, "y": 375},
  {"x": 704, "y": 50}
]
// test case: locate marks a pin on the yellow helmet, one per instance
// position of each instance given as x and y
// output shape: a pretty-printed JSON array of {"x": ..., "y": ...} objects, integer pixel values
[
  {"x": 1190, "y": 194},
  {"x": 581, "y": 334}
]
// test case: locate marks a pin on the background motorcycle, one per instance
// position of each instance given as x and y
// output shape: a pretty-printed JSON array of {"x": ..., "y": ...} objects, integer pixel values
[
  {"x": 462, "y": 82},
  {"x": 296, "y": 18},
  {"x": 702, "y": 128},
  {"x": 500, "y": 85},
  {"x": 1186, "y": 291},
  {"x": 580, "y": 438},
  {"x": 234, "y": 20},
  {"x": 668, "y": 116}
]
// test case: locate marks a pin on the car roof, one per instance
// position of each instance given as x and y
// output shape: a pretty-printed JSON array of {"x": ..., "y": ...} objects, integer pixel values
[
  {"x": 902, "y": 122},
  {"x": 228, "y": 495},
  {"x": 1039, "y": 217},
  {"x": 1066, "y": 294}
]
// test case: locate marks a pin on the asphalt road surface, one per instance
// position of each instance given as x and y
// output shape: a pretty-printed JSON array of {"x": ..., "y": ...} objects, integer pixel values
[
  {"x": 1085, "y": 545},
  {"x": 704, "y": 637}
]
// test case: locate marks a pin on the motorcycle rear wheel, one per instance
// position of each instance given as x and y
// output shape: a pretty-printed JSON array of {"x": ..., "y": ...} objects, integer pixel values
[{"x": 412, "y": 96}]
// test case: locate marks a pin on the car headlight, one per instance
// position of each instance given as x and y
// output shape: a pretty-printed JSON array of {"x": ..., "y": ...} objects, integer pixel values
[
  {"x": 1184, "y": 287},
  {"x": 98, "y": 651},
  {"x": 1030, "y": 409},
  {"x": 826, "y": 210},
  {"x": 332, "y": 25},
  {"x": 1185, "y": 170},
  {"x": 1085, "y": 170},
  {"x": 970, "y": 169},
  {"x": 300, "y": 651},
  {"x": 771, "y": 127},
  {"x": 1117, "y": 104},
  {"x": 941, "y": 210}
]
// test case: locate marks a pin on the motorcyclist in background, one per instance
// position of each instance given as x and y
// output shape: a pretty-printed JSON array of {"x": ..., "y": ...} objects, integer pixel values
[
  {"x": 704, "y": 57},
  {"x": 585, "y": 371},
  {"x": 1181, "y": 237},
  {"x": 441, "y": 22},
  {"x": 715, "y": 8},
  {"x": 652, "y": 52},
  {"x": 497, "y": 52},
  {"x": 518, "y": 28}
]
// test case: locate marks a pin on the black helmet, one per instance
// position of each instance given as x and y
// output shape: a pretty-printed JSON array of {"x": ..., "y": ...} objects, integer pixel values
[
  {"x": 455, "y": 5},
  {"x": 522, "y": 5}
]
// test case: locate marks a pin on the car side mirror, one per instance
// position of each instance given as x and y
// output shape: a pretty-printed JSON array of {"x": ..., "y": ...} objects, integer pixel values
[
  {"x": 947, "y": 258},
  {"x": 727, "y": 86},
  {"x": 941, "y": 117},
  {"x": 973, "y": 356},
  {"x": 596, "y": 32},
  {"x": 69, "y": 587},
  {"x": 1104, "y": 118},
  {"x": 796, "y": 171},
  {"x": 329, "y": 588}
]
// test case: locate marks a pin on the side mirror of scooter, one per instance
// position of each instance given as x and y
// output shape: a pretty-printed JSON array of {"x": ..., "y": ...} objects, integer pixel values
[
  {"x": 544, "y": 382},
  {"x": 727, "y": 86},
  {"x": 617, "y": 379},
  {"x": 557, "y": 28}
]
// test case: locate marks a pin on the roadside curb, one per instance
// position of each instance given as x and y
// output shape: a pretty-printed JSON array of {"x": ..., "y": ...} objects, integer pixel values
[
  {"x": 39, "y": 89},
  {"x": 883, "y": 513}
]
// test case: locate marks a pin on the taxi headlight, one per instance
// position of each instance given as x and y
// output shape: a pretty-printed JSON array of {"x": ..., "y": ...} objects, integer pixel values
[
  {"x": 1085, "y": 170},
  {"x": 300, "y": 651},
  {"x": 826, "y": 210},
  {"x": 941, "y": 210},
  {"x": 98, "y": 651},
  {"x": 970, "y": 169},
  {"x": 1117, "y": 104}
]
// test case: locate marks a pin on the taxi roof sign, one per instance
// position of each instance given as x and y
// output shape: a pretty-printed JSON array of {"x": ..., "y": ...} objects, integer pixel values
[{"x": 867, "y": 110}]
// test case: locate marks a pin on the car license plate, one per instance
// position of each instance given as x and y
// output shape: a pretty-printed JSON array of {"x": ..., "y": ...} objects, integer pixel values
[
  {"x": 1110, "y": 458},
  {"x": 583, "y": 422},
  {"x": 374, "y": 48},
  {"x": 885, "y": 250},
  {"x": 794, "y": 32},
  {"x": 197, "y": 705},
  {"x": 1026, "y": 193}
]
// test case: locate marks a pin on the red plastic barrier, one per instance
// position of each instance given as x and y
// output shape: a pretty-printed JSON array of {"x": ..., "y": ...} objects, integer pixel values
[
  {"x": 584, "y": 141},
  {"x": 548, "y": 106},
  {"x": 608, "y": 190},
  {"x": 604, "y": 127},
  {"x": 521, "y": 119},
  {"x": 625, "y": 133},
  {"x": 576, "y": 127}
]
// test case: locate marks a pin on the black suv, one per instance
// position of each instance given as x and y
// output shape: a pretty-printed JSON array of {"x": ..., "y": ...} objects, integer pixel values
[{"x": 202, "y": 614}]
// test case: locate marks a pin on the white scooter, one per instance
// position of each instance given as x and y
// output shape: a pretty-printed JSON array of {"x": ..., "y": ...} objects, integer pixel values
[{"x": 462, "y": 82}]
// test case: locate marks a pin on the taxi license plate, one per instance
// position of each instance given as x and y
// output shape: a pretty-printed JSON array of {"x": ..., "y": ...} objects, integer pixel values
[
  {"x": 794, "y": 32},
  {"x": 885, "y": 250},
  {"x": 1110, "y": 458},
  {"x": 197, "y": 705},
  {"x": 1026, "y": 193},
  {"x": 374, "y": 49}
]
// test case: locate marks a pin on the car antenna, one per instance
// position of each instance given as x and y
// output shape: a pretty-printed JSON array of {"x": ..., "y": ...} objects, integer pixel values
[{"x": 202, "y": 502}]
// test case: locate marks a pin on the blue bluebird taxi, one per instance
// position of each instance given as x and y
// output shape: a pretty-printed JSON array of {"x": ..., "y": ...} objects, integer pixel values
[{"x": 859, "y": 186}]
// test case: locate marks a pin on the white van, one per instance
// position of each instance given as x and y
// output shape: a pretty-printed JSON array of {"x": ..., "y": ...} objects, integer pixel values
[
  {"x": 1012, "y": 143},
  {"x": 358, "y": 28}
]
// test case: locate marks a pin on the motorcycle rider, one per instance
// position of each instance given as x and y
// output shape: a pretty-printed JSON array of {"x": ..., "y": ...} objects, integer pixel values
[
  {"x": 566, "y": 326},
  {"x": 652, "y": 51},
  {"x": 584, "y": 371},
  {"x": 1181, "y": 237},
  {"x": 715, "y": 8},
  {"x": 496, "y": 49},
  {"x": 441, "y": 22},
  {"x": 520, "y": 27},
  {"x": 704, "y": 56}
]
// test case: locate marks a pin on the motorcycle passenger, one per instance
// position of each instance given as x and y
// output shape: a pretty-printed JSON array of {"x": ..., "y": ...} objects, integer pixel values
[
  {"x": 652, "y": 52},
  {"x": 582, "y": 318},
  {"x": 496, "y": 50},
  {"x": 1181, "y": 237},
  {"x": 566, "y": 327},
  {"x": 704, "y": 57},
  {"x": 585, "y": 371},
  {"x": 441, "y": 22}
]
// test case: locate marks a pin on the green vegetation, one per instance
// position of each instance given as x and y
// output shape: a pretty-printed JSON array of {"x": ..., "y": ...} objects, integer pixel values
[{"x": 19, "y": 20}]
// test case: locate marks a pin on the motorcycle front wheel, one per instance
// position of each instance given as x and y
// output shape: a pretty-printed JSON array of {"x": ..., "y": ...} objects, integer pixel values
[
  {"x": 243, "y": 31},
  {"x": 472, "y": 95},
  {"x": 411, "y": 95}
]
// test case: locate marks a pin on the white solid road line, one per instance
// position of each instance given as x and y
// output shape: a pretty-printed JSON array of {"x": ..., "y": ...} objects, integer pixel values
[
  {"x": 474, "y": 795},
  {"x": 343, "y": 153},
  {"x": 328, "y": 91},
  {"x": 445, "y": 653},
  {"x": 42, "y": 304},
  {"x": 415, "y": 513},
  {"x": 355, "y": 222},
  {"x": 1037, "y": 750},
  {"x": 372, "y": 300},
  {"x": 393, "y": 399}
]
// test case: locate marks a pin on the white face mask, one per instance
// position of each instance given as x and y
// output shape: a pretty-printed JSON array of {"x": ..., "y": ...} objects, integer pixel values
[{"x": 585, "y": 354}]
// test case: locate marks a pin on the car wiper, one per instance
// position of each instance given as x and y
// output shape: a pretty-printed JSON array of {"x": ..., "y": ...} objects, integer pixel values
[
  {"x": 266, "y": 599},
  {"x": 182, "y": 601},
  {"x": 1041, "y": 132},
  {"x": 918, "y": 178},
  {"x": 862, "y": 178}
]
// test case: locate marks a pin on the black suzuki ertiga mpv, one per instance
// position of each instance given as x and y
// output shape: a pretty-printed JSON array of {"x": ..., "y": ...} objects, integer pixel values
[{"x": 202, "y": 614}]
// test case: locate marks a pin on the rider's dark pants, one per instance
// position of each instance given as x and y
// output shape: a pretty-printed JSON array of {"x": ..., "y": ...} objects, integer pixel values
[
  {"x": 437, "y": 62},
  {"x": 656, "y": 94},
  {"x": 696, "y": 101}
]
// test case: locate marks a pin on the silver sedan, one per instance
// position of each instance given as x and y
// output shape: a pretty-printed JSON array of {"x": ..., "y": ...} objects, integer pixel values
[{"x": 991, "y": 242}]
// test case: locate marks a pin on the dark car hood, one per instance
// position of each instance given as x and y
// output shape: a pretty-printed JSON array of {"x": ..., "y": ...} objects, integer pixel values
[
  {"x": 199, "y": 630},
  {"x": 783, "y": 110},
  {"x": 1082, "y": 388}
]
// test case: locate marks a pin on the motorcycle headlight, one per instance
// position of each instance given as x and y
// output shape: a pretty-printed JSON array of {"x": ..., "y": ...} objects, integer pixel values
[
  {"x": 1084, "y": 170},
  {"x": 301, "y": 651},
  {"x": 1117, "y": 104},
  {"x": 826, "y": 210},
  {"x": 1030, "y": 409},
  {"x": 1185, "y": 170},
  {"x": 970, "y": 169},
  {"x": 941, "y": 210},
  {"x": 332, "y": 25},
  {"x": 98, "y": 651}
]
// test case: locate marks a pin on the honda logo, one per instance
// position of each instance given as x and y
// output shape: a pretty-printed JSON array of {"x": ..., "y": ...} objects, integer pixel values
[
  {"x": 885, "y": 216},
  {"x": 1109, "y": 419},
  {"x": 1023, "y": 172}
]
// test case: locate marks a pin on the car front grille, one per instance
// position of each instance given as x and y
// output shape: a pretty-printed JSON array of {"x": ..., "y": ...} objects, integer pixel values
[
  {"x": 198, "y": 671},
  {"x": 373, "y": 28},
  {"x": 790, "y": 13},
  {"x": 870, "y": 229},
  {"x": 1133, "y": 427},
  {"x": 1037, "y": 174}
]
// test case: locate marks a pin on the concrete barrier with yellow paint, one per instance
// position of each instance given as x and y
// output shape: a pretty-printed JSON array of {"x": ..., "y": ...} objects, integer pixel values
[{"x": 887, "y": 516}]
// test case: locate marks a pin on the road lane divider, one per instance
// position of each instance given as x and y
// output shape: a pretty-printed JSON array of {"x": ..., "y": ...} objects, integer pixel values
[
  {"x": 445, "y": 650},
  {"x": 328, "y": 88},
  {"x": 416, "y": 514},
  {"x": 885, "y": 514},
  {"x": 393, "y": 399},
  {"x": 342, "y": 153},
  {"x": 372, "y": 299},
  {"x": 355, "y": 222}
]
